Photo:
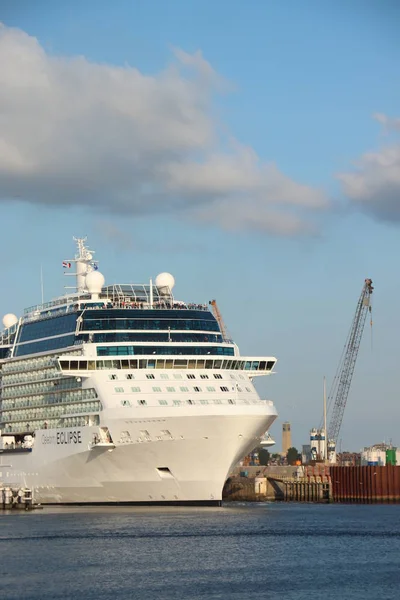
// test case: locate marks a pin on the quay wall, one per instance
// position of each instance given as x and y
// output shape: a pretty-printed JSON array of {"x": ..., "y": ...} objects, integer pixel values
[
  {"x": 366, "y": 485},
  {"x": 317, "y": 483}
]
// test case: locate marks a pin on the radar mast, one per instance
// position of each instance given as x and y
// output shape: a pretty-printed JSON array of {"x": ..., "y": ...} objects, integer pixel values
[{"x": 84, "y": 264}]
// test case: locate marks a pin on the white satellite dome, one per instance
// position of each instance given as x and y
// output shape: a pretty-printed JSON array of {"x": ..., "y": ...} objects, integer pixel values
[
  {"x": 9, "y": 320},
  {"x": 165, "y": 282},
  {"x": 94, "y": 281}
]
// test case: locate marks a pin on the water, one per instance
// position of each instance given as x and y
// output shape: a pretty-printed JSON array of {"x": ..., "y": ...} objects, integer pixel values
[{"x": 274, "y": 551}]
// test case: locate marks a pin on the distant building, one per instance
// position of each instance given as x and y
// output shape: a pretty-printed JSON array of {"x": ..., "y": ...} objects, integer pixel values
[
  {"x": 380, "y": 455},
  {"x": 348, "y": 459},
  {"x": 306, "y": 454},
  {"x": 286, "y": 437},
  {"x": 317, "y": 443}
]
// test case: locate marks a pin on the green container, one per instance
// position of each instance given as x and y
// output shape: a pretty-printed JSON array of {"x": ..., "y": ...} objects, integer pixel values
[{"x": 391, "y": 456}]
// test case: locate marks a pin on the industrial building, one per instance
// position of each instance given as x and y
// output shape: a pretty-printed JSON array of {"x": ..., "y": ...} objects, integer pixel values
[{"x": 380, "y": 455}]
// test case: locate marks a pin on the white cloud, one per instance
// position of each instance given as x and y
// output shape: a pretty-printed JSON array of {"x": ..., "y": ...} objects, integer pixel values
[
  {"x": 374, "y": 185},
  {"x": 73, "y": 132},
  {"x": 387, "y": 122}
]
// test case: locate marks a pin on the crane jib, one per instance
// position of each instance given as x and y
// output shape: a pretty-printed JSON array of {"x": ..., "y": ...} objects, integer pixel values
[{"x": 341, "y": 384}]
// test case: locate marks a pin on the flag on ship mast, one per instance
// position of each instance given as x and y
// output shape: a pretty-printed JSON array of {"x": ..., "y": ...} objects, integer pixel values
[{"x": 66, "y": 265}]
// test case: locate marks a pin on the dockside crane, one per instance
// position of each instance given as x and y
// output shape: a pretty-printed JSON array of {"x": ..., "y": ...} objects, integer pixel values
[{"x": 339, "y": 392}]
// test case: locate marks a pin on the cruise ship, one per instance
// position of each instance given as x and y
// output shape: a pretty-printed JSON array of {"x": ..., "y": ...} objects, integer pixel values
[{"x": 123, "y": 394}]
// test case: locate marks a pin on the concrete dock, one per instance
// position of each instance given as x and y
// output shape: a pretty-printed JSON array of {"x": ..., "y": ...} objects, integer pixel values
[{"x": 287, "y": 484}]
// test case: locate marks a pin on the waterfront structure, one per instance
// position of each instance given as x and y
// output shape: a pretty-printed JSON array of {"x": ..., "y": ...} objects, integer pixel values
[
  {"x": 317, "y": 444},
  {"x": 306, "y": 454},
  {"x": 121, "y": 393},
  {"x": 286, "y": 438},
  {"x": 380, "y": 455}
]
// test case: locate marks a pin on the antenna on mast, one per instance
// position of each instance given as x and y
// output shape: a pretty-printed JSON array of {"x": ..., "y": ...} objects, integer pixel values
[{"x": 84, "y": 264}]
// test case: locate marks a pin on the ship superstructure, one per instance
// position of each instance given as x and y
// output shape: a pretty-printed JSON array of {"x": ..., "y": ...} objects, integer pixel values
[{"x": 121, "y": 393}]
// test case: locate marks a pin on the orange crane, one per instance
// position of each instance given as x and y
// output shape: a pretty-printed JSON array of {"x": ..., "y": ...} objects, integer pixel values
[{"x": 217, "y": 314}]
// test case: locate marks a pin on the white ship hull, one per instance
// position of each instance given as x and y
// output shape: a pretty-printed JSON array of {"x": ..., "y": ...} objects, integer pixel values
[{"x": 190, "y": 466}]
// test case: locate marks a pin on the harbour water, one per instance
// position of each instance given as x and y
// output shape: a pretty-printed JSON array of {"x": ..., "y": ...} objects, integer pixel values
[{"x": 274, "y": 551}]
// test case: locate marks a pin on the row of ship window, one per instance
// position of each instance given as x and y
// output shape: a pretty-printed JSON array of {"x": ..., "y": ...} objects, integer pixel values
[
  {"x": 150, "y": 324},
  {"x": 28, "y": 365},
  {"x": 50, "y": 412},
  {"x": 32, "y": 364},
  {"x": 47, "y": 400},
  {"x": 63, "y": 383},
  {"x": 160, "y": 350},
  {"x": 46, "y": 345},
  {"x": 190, "y": 401},
  {"x": 113, "y": 376},
  {"x": 23, "y": 427},
  {"x": 165, "y": 376},
  {"x": 196, "y": 388},
  {"x": 41, "y": 329},
  {"x": 109, "y": 337},
  {"x": 31, "y": 376},
  {"x": 177, "y": 363}
]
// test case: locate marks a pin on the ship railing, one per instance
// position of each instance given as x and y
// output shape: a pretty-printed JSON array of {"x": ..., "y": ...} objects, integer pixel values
[
  {"x": 39, "y": 314},
  {"x": 144, "y": 305}
]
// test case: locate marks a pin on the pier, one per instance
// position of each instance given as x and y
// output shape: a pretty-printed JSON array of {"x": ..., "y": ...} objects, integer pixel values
[{"x": 286, "y": 484}]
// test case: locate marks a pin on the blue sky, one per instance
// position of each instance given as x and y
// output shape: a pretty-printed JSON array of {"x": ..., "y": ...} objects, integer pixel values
[{"x": 264, "y": 172}]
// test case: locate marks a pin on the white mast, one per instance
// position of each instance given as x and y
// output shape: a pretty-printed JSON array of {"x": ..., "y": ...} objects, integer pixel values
[{"x": 84, "y": 264}]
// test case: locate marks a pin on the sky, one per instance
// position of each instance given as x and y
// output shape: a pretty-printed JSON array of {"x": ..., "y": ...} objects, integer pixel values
[{"x": 252, "y": 149}]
